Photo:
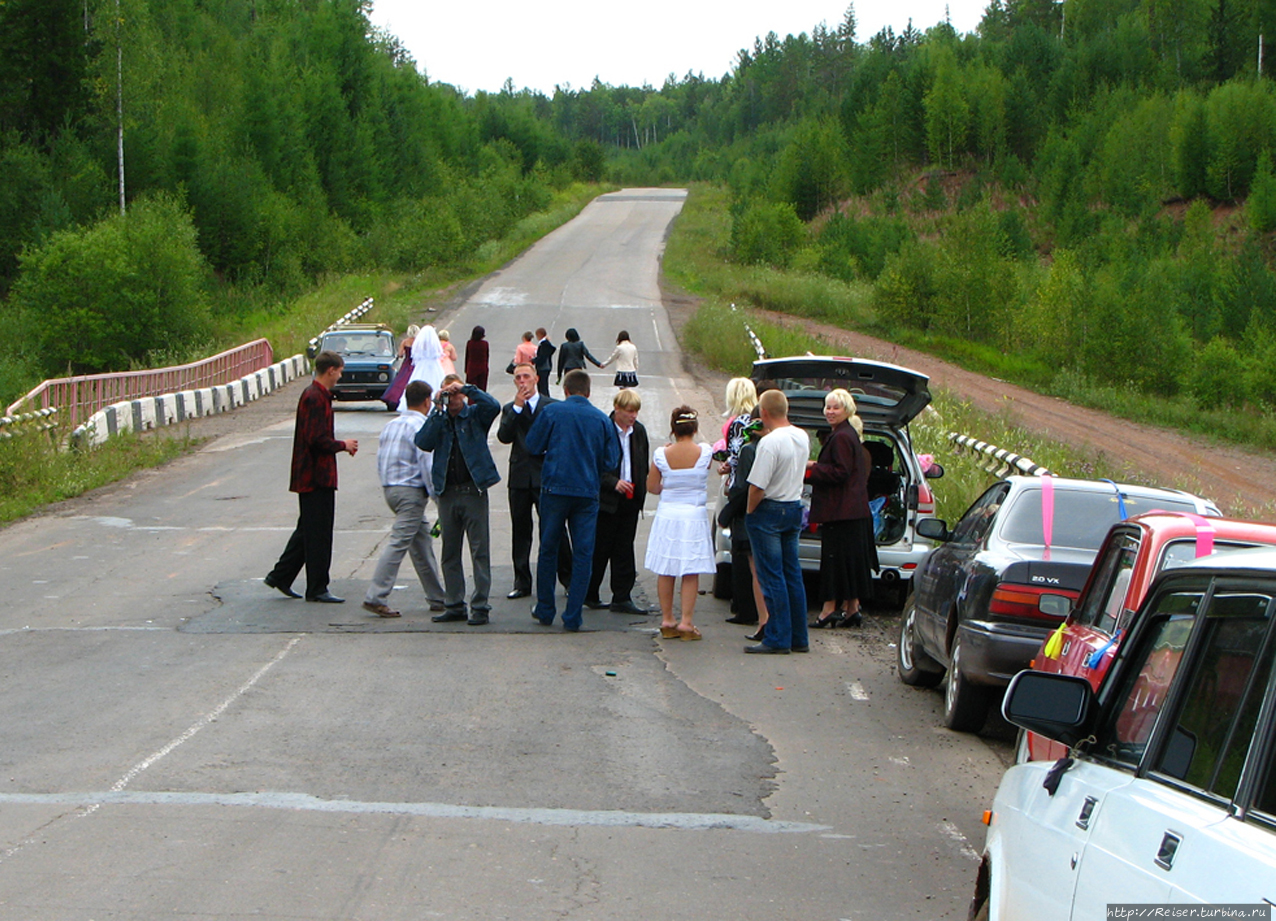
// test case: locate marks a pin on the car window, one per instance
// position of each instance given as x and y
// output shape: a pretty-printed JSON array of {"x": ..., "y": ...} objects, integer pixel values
[
  {"x": 358, "y": 344},
  {"x": 1223, "y": 692},
  {"x": 979, "y": 517},
  {"x": 1145, "y": 681},
  {"x": 1081, "y": 519},
  {"x": 1181, "y": 552},
  {"x": 1106, "y": 600}
]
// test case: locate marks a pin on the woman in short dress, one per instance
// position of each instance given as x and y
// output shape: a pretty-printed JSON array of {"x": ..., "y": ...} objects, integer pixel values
[
  {"x": 839, "y": 504},
  {"x": 449, "y": 352},
  {"x": 625, "y": 355},
  {"x": 680, "y": 543}
]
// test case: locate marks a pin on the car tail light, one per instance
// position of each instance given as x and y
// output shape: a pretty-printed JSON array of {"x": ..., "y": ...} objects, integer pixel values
[
  {"x": 1011, "y": 600},
  {"x": 925, "y": 500}
]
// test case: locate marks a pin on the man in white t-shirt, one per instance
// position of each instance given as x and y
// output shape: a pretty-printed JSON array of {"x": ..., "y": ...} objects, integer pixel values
[{"x": 774, "y": 521}]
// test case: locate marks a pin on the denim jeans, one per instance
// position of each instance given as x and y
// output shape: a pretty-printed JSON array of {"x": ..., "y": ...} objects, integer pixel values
[
  {"x": 774, "y": 528},
  {"x": 579, "y": 514}
]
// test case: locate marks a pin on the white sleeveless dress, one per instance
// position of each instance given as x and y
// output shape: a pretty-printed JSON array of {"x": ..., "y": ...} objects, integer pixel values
[{"x": 681, "y": 541}]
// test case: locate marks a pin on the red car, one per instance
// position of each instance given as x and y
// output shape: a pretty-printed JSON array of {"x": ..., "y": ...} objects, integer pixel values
[{"x": 1135, "y": 551}]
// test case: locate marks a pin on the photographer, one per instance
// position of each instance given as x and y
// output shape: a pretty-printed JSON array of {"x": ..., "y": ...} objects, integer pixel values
[{"x": 463, "y": 472}]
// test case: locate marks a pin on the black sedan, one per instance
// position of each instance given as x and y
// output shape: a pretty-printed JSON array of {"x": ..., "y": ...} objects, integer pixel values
[{"x": 1000, "y": 581}]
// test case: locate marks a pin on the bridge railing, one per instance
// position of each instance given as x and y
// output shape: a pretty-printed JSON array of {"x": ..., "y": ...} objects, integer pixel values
[{"x": 78, "y": 398}]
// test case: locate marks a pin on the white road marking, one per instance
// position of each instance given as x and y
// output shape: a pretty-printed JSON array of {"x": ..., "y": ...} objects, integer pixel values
[
  {"x": 950, "y": 831},
  {"x": 856, "y": 690},
  {"x": 575, "y": 818}
]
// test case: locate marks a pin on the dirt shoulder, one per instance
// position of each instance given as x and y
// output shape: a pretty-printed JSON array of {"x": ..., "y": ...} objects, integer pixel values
[{"x": 1242, "y": 482}]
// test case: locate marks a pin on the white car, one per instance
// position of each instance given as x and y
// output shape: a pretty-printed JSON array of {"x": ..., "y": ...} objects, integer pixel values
[
  {"x": 887, "y": 398},
  {"x": 1170, "y": 795}
]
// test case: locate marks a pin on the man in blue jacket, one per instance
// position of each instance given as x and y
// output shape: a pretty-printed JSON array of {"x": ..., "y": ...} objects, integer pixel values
[
  {"x": 579, "y": 444},
  {"x": 456, "y": 431}
]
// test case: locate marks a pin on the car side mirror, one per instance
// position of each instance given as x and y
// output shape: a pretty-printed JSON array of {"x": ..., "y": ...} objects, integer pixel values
[
  {"x": 934, "y": 472},
  {"x": 1059, "y": 707},
  {"x": 312, "y": 349},
  {"x": 934, "y": 529},
  {"x": 1055, "y": 605}
]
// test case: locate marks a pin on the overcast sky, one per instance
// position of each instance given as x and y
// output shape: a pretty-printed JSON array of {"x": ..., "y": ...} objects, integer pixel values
[{"x": 477, "y": 45}]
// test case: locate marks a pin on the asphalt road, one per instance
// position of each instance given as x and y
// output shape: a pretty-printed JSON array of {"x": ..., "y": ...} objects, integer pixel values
[{"x": 182, "y": 742}]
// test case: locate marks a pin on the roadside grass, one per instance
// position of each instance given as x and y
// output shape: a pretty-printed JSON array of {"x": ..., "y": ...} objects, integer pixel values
[
  {"x": 696, "y": 259},
  {"x": 34, "y": 471}
]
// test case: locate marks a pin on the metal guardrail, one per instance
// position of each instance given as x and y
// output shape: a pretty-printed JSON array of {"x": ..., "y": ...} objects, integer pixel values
[
  {"x": 312, "y": 347},
  {"x": 1000, "y": 461},
  {"x": 80, "y": 397},
  {"x": 28, "y": 423},
  {"x": 758, "y": 348}
]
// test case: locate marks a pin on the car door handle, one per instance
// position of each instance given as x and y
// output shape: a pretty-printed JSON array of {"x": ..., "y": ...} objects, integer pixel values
[
  {"x": 1087, "y": 809},
  {"x": 1169, "y": 847}
]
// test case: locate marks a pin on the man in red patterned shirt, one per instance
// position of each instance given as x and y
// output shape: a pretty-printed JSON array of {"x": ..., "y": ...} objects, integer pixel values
[{"x": 314, "y": 480}]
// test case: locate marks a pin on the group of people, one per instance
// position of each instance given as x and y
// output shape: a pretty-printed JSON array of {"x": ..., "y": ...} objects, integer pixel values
[
  {"x": 537, "y": 350},
  {"x": 585, "y": 475}
]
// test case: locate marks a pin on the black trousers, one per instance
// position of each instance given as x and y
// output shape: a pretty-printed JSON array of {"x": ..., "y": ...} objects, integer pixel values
[
  {"x": 614, "y": 545},
  {"x": 522, "y": 502},
  {"x": 310, "y": 545}
]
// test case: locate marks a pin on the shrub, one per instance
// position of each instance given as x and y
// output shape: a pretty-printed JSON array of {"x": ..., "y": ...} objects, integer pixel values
[
  {"x": 1218, "y": 375},
  {"x": 766, "y": 233},
  {"x": 96, "y": 298}
]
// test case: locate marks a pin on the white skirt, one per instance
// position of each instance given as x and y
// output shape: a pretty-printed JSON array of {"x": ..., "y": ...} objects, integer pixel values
[{"x": 680, "y": 542}]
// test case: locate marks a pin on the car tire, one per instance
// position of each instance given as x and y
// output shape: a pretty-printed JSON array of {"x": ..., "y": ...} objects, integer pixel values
[
  {"x": 916, "y": 669},
  {"x": 965, "y": 704},
  {"x": 722, "y": 582}
]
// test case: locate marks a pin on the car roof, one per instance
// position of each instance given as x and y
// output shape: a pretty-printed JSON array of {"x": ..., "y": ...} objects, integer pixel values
[
  {"x": 1167, "y": 525},
  {"x": 885, "y": 394},
  {"x": 357, "y": 328},
  {"x": 1024, "y": 483}
]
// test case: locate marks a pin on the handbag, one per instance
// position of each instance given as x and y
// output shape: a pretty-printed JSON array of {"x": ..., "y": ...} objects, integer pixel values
[{"x": 509, "y": 368}]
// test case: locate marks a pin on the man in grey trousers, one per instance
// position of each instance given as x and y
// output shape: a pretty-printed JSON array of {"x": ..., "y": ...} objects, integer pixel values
[
  {"x": 405, "y": 480},
  {"x": 463, "y": 473}
]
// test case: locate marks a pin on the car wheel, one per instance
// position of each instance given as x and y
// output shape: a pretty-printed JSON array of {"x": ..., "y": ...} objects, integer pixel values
[
  {"x": 915, "y": 667},
  {"x": 722, "y": 582},
  {"x": 965, "y": 704}
]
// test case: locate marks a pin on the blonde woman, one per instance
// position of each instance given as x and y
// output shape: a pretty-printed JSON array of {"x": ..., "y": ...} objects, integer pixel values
[
  {"x": 449, "y": 352},
  {"x": 839, "y": 505},
  {"x": 742, "y": 396},
  {"x": 680, "y": 543}
]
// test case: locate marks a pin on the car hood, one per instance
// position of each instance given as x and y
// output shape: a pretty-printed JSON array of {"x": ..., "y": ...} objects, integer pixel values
[{"x": 885, "y": 395}]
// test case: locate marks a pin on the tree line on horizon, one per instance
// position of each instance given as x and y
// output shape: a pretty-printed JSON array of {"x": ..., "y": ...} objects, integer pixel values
[{"x": 1087, "y": 185}]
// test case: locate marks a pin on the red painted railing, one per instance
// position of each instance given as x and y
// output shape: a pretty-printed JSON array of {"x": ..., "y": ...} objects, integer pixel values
[{"x": 78, "y": 398}]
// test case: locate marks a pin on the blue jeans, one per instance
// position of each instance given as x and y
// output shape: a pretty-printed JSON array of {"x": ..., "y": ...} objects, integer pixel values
[
  {"x": 774, "y": 528},
  {"x": 579, "y": 516}
]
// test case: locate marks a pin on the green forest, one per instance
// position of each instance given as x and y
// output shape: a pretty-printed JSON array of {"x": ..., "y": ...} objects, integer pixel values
[{"x": 1080, "y": 192}]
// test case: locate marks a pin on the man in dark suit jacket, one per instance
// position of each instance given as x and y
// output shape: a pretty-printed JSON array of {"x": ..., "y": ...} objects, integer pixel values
[
  {"x": 621, "y": 496},
  {"x": 524, "y": 478},
  {"x": 544, "y": 360}
]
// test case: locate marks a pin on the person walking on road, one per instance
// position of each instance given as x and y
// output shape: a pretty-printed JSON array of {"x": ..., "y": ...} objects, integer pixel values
[
  {"x": 625, "y": 355},
  {"x": 448, "y": 361},
  {"x": 476, "y": 358},
  {"x": 524, "y": 480},
  {"x": 405, "y": 481},
  {"x": 620, "y": 499},
  {"x": 680, "y": 542},
  {"x": 427, "y": 360},
  {"x": 573, "y": 354},
  {"x": 524, "y": 353},
  {"x": 579, "y": 444},
  {"x": 314, "y": 480},
  {"x": 463, "y": 472},
  {"x": 774, "y": 520},
  {"x": 544, "y": 360}
]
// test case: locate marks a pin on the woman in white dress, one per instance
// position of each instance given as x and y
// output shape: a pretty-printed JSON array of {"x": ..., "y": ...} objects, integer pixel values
[
  {"x": 427, "y": 365},
  {"x": 680, "y": 542}
]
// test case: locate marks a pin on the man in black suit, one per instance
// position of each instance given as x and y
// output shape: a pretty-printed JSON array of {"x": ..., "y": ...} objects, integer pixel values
[
  {"x": 544, "y": 360},
  {"x": 620, "y": 502},
  {"x": 524, "y": 478}
]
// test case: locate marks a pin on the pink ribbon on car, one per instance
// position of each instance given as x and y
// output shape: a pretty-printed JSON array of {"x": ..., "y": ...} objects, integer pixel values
[{"x": 1047, "y": 512}]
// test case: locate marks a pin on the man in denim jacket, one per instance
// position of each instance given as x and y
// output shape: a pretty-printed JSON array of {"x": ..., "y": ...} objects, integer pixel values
[
  {"x": 579, "y": 444},
  {"x": 456, "y": 431}
]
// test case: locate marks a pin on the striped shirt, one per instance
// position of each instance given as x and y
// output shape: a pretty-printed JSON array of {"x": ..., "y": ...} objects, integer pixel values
[{"x": 399, "y": 461}]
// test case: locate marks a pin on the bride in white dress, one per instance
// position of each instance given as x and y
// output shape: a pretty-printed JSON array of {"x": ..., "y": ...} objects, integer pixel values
[{"x": 681, "y": 542}]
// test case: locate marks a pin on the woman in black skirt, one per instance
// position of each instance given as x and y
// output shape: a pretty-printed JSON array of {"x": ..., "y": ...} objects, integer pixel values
[{"x": 839, "y": 504}]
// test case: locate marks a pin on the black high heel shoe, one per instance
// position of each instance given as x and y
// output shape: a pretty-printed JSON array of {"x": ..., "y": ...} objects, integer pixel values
[
  {"x": 823, "y": 623},
  {"x": 850, "y": 620},
  {"x": 757, "y": 636}
]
